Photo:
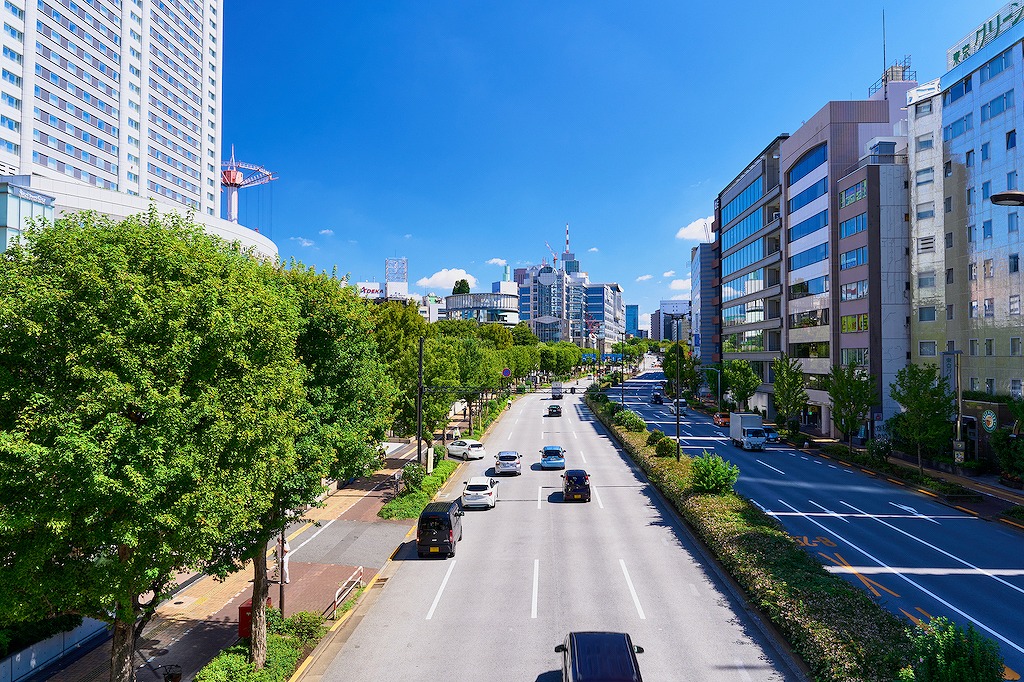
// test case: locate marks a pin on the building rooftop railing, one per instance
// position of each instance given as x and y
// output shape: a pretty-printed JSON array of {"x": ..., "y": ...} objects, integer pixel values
[{"x": 878, "y": 160}]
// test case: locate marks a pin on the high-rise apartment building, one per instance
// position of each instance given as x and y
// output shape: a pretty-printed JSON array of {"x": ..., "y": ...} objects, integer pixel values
[
  {"x": 966, "y": 275},
  {"x": 633, "y": 320},
  {"x": 103, "y": 101},
  {"x": 705, "y": 315}
]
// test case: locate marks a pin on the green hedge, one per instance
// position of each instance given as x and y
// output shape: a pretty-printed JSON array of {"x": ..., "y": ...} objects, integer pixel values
[
  {"x": 836, "y": 628},
  {"x": 409, "y": 505},
  {"x": 287, "y": 639},
  {"x": 18, "y": 636}
]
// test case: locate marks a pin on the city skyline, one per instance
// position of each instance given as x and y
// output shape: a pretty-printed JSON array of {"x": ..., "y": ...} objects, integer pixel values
[{"x": 466, "y": 138}]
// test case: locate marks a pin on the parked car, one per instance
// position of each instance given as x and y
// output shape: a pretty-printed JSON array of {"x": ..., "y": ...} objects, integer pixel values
[
  {"x": 721, "y": 419},
  {"x": 576, "y": 485},
  {"x": 599, "y": 657},
  {"x": 508, "y": 462},
  {"x": 656, "y": 399},
  {"x": 467, "y": 449},
  {"x": 554, "y": 410},
  {"x": 438, "y": 529},
  {"x": 770, "y": 434},
  {"x": 682, "y": 406},
  {"x": 552, "y": 457},
  {"x": 480, "y": 491}
]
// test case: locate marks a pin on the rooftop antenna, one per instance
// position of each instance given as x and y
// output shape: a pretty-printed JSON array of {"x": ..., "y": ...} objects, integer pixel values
[
  {"x": 567, "y": 237},
  {"x": 233, "y": 178},
  {"x": 885, "y": 64}
]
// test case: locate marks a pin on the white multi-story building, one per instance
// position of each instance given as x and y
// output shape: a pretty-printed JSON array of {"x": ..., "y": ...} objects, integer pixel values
[{"x": 105, "y": 104}]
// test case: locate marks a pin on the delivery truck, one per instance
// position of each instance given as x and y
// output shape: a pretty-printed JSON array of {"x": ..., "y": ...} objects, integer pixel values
[
  {"x": 556, "y": 390},
  {"x": 745, "y": 431}
]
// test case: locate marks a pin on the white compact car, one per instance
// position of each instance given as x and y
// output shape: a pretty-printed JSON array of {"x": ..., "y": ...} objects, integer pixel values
[
  {"x": 465, "y": 448},
  {"x": 480, "y": 492},
  {"x": 508, "y": 462}
]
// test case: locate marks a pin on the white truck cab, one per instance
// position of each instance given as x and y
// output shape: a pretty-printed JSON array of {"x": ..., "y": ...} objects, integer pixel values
[{"x": 745, "y": 431}]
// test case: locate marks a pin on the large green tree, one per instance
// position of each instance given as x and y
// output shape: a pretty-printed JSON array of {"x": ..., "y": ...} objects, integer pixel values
[
  {"x": 928, "y": 408},
  {"x": 852, "y": 393},
  {"x": 690, "y": 377},
  {"x": 461, "y": 287},
  {"x": 397, "y": 328},
  {"x": 790, "y": 393},
  {"x": 743, "y": 381},
  {"x": 496, "y": 334},
  {"x": 522, "y": 336},
  {"x": 148, "y": 400}
]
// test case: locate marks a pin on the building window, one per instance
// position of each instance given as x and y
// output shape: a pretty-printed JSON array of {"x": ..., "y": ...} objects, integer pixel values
[
  {"x": 1011, "y": 139},
  {"x": 1014, "y": 262},
  {"x": 926, "y": 348},
  {"x": 974, "y": 383},
  {"x": 973, "y": 347},
  {"x": 926, "y": 280},
  {"x": 990, "y": 307},
  {"x": 973, "y": 314},
  {"x": 958, "y": 128},
  {"x": 853, "y": 291},
  {"x": 1015, "y": 388},
  {"x": 855, "y": 257},
  {"x": 1011, "y": 180},
  {"x": 951, "y": 346},
  {"x": 926, "y": 314},
  {"x": 987, "y": 268},
  {"x": 956, "y": 91},
  {"x": 949, "y": 240},
  {"x": 14, "y": 9},
  {"x": 986, "y": 229},
  {"x": 989, "y": 346},
  {"x": 986, "y": 189},
  {"x": 970, "y": 232},
  {"x": 947, "y": 204},
  {"x": 949, "y": 275},
  {"x": 985, "y": 151},
  {"x": 972, "y": 272},
  {"x": 852, "y": 194},
  {"x": 922, "y": 108},
  {"x": 925, "y": 176},
  {"x": 1011, "y": 222},
  {"x": 1015, "y": 346},
  {"x": 990, "y": 386},
  {"x": 853, "y": 323},
  {"x": 949, "y": 311},
  {"x": 969, "y": 158},
  {"x": 925, "y": 142},
  {"x": 996, "y": 65},
  {"x": 947, "y": 169},
  {"x": 1015, "y": 304},
  {"x": 926, "y": 210},
  {"x": 856, "y": 224},
  {"x": 970, "y": 196}
]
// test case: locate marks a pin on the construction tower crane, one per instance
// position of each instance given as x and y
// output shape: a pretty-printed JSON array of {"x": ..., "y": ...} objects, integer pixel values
[
  {"x": 233, "y": 177},
  {"x": 554, "y": 258}
]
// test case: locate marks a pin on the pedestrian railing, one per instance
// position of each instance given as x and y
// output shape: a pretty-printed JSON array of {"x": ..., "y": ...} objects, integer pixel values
[{"x": 347, "y": 588}]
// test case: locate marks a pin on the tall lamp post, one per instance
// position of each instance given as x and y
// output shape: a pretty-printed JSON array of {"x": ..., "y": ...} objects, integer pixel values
[
  {"x": 719, "y": 373},
  {"x": 679, "y": 361}
]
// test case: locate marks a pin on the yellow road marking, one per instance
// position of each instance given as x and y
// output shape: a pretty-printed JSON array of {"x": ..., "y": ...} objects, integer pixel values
[
  {"x": 1012, "y": 523},
  {"x": 927, "y": 492},
  {"x": 868, "y": 582},
  {"x": 1010, "y": 674},
  {"x": 965, "y": 510},
  {"x": 893, "y": 480}
]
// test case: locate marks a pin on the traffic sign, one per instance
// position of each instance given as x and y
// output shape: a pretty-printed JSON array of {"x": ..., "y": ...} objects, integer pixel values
[{"x": 506, "y": 372}]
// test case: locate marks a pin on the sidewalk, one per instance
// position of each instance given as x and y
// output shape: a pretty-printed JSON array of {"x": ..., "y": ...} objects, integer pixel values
[{"x": 200, "y": 620}]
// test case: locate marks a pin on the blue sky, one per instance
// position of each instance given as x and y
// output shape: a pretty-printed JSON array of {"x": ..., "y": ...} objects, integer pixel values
[{"x": 466, "y": 134}]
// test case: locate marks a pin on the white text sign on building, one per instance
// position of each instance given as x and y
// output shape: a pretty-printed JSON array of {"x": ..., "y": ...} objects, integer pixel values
[{"x": 997, "y": 24}]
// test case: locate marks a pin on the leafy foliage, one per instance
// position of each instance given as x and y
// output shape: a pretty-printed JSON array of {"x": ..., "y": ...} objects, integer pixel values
[
  {"x": 522, "y": 336},
  {"x": 654, "y": 436},
  {"x": 413, "y": 474},
  {"x": 928, "y": 406},
  {"x": 690, "y": 376},
  {"x": 852, "y": 394},
  {"x": 1009, "y": 451},
  {"x": 666, "y": 447},
  {"x": 461, "y": 287},
  {"x": 742, "y": 380},
  {"x": 410, "y": 505},
  {"x": 944, "y": 652},
  {"x": 631, "y": 421},
  {"x": 790, "y": 394},
  {"x": 712, "y": 474}
]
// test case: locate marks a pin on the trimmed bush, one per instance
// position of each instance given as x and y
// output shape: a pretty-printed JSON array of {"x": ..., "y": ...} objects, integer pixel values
[
  {"x": 413, "y": 474},
  {"x": 654, "y": 437},
  {"x": 879, "y": 450},
  {"x": 630, "y": 420},
  {"x": 666, "y": 447},
  {"x": 409, "y": 505},
  {"x": 232, "y": 664},
  {"x": 943, "y": 652},
  {"x": 712, "y": 474}
]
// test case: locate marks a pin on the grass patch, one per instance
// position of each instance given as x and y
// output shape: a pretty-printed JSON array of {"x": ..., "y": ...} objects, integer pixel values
[
  {"x": 905, "y": 474},
  {"x": 411, "y": 503},
  {"x": 1015, "y": 513},
  {"x": 838, "y": 630}
]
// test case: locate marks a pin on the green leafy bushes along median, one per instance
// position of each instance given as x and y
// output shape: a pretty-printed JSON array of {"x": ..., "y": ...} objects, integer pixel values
[
  {"x": 836, "y": 628},
  {"x": 411, "y": 503},
  {"x": 288, "y": 639}
]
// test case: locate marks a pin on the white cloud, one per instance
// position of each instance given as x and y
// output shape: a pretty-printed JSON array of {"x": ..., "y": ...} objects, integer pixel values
[
  {"x": 680, "y": 297},
  {"x": 302, "y": 241},
  {"x": 327, "y": 233},
  {"x": 407, "y": 236},
  {"x": 498, "y": 261},
  {"x": 644, "y": 278},
  {"x": 645, "y": 321},
  {"x": 592, "y": 249},
  {"x": 446, "y": 279},
  {"x": 695, "y": 231},
  {"x": 670, "y": 273},
  {"x": 680, "y": 285}
]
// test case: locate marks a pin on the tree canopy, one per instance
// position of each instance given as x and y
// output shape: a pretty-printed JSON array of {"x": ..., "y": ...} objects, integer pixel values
[
  {"x": 461, "y": 287},
  {"x": 852, "y": 393},
  {"x": 928, "y": 408},
  {"x": 790, "y": 393}
]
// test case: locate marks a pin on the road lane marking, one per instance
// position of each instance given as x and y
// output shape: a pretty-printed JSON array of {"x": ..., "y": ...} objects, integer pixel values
[
  {"x": 322, "y": 529},
  {"x": 536, "y": 580},
  {"x": 693, "y": 590},
  {"x": 925, "y": 570},
  {"x": 574, "y": 435},
  {"x": 771, "y": 467},
  {"x": 829, "y": 512},
  {"x": 540, "y": 491},
  {"x": 913, "y": 511},
  {"x": 903, "y": 576},
  {"x": 440, "y": 590},
  {"x": 597, "y": 497},
  {"x": 632, "y": 590},
  {"x": 509, "y": 436},
  {"x": 942, "y": 551},
  {"x": 583, "y": 457},
  {"x": 763, "y": 508}
]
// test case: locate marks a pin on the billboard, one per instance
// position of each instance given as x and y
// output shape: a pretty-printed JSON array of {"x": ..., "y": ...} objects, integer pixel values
[{"x": 369, "y": 289}]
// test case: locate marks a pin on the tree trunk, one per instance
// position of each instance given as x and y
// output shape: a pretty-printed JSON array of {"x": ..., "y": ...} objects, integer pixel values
[
  {"x": 260, "y": 588},
  {"x": 122, "y": 650}
]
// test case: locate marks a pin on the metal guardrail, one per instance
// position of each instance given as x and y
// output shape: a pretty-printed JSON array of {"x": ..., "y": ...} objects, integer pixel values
[{"x": 354, "y": 581}]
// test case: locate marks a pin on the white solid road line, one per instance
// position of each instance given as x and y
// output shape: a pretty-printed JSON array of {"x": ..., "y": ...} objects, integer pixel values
[
  {"x": 574, "y": 435},
  {"x": 904, "y": 577},
  {"x": 771, "y": 467},
  {"x": 829, "y": 512},
  {"x": 540, "y": 491},
  {"x": 440, "y": 590},
  {"x": 597, "y": 497},
  {"x": 937, "y": 549},
  {"x": 322, "y": 529},
  {"x": 632, "y": 591},
  {"x": 536, "y": 580},
  {"x": 583, "y": 457}
]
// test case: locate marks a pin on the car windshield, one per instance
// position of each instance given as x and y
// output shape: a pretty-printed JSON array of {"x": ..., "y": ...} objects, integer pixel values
[
  {"x": 431, "y": 523},
  {"x": 476, "y": 446},
  {"x": 576, "y": 480},
  {"x": 756, "y": 433},
  {"x": 507, "y": 458},
  {"x": 476, "y": 488},
  {"x": 552, "y": 453}
]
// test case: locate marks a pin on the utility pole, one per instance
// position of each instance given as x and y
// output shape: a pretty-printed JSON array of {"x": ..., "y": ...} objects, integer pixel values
[
  {"x": 679, "y": 332},
  {"x": 429, "y": 463},
  {"x": 280, "y": 566}
]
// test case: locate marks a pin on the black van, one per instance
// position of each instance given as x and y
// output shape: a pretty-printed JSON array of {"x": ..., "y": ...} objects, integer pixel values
[
  {"x": 576, "y": 485},
  {"x": 439, "y": 528},
  {"x": 596, "y": 656}
]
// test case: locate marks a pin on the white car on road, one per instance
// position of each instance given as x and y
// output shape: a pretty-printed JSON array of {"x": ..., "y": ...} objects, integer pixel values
[
  {"x": 480, "y": 492},
  {"x": 508, "y": 462},
  {"x": 465, "y": 448}
]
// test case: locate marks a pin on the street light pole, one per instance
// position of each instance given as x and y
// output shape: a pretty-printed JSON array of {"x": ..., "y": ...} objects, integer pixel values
[{"x": 679, "y": 333}]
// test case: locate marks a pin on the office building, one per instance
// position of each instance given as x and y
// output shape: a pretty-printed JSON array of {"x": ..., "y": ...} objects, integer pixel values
[
  {"x": 633, "y": 321},
  {"x": 705, "y": 315}
]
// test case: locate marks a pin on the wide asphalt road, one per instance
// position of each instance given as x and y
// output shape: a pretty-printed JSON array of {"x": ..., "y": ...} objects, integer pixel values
[
  {"x": 917, "y": 557},
  {"x": 535, "y": 568}
]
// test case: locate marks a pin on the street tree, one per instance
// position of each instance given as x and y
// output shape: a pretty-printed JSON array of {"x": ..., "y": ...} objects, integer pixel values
[
  {"x": 461, "y": 287},
  {"x": 149, "y": 405},
  {"x": 852, "y": 392},
  {"x": 716, "y": 380},
  {"x": 742, "y": 380},
  {"x": 522, "y": 336},
  {"x": 928, "y": 408},
  {"x": 790, "y": 393},
  {"x": 397, "y": 328},
  {"x": 690, "y": 377},
  {"x": 497, "y": 335},
  {"x": 459, "y": 329}
]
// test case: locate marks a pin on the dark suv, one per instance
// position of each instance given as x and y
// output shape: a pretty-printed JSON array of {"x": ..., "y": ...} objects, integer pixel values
[
  {"x": 656, "y": 399},
  {"x": 439, "y": 528},
  {"x": 576, "y": 485},
  {"x": 599, "y": 656}
]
